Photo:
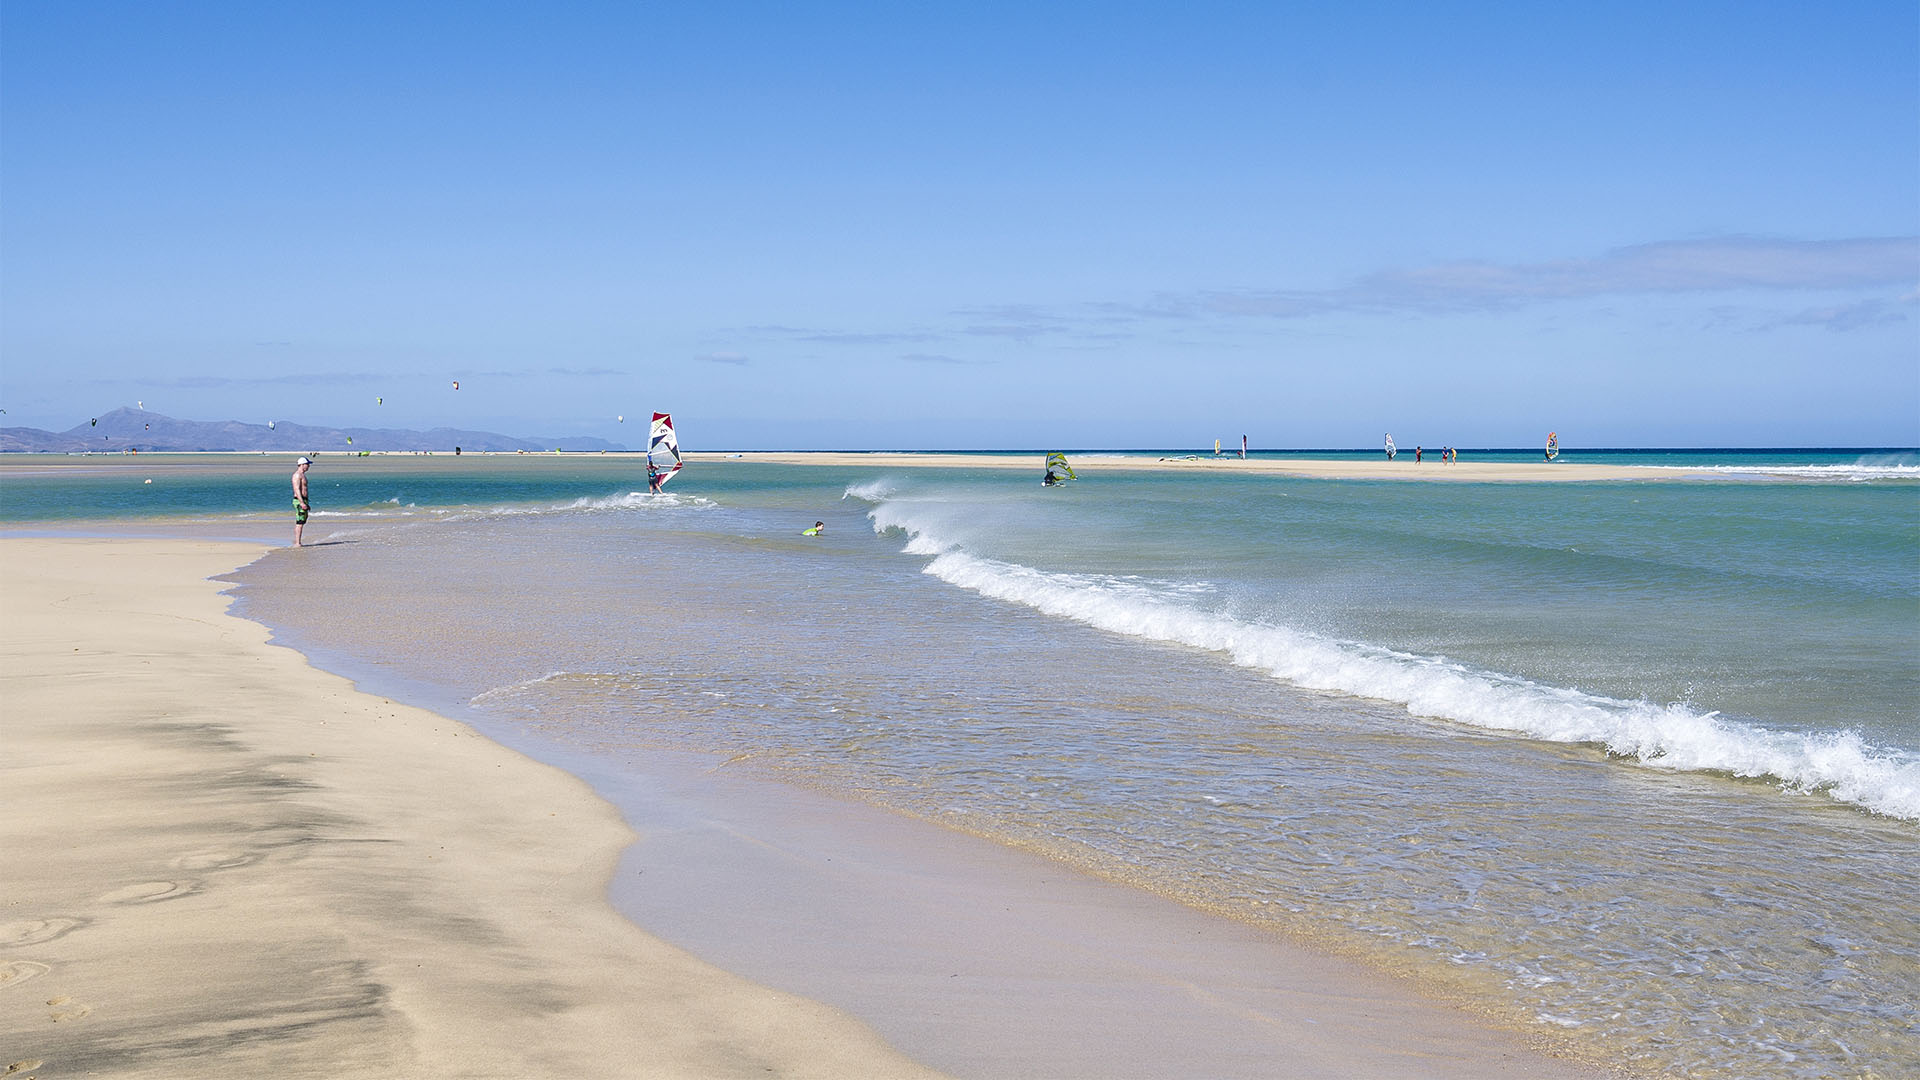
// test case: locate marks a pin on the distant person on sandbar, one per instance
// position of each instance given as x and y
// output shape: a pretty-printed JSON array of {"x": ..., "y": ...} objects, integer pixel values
[
  {"x": 301, "y": 507},
  {"x": 1417, "y": 451},
  {"x": 818, "y": 527}
]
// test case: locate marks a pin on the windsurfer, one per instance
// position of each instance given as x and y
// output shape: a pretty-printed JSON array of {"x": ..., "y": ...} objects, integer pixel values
[{"x": 663, "y": 453}]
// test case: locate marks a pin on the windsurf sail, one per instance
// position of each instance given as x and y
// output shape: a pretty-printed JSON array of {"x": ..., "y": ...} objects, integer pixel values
[
  {"x": 1553, "y": 445},
  {"x": 1058, "y": 471},
  {"x": 663, "y": 452},
  {"x": 1391, "y": 449}
]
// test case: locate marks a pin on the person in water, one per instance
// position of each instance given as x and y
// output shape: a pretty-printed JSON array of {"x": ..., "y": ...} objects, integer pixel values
[
  {"x": 818, "y": 527},
  {"x": 654, "y": 478},
  {"x": 301, "y": 507}
]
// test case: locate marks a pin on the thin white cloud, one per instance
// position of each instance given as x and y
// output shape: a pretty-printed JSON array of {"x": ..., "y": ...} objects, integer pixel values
[
  {"x": 1021, "y": 322},
  {"x": 1843, "y": 317},
  {"x": 939, "y": 358},
  {"x": 1016, "y": 331},
  {"x": 1723, "y": 264},
  {"x": 734, "y": 358},
  {"x": 214, "y": 382},
  {"x": 1698, "y": 267},
  {"x": 845, "y": 337}
]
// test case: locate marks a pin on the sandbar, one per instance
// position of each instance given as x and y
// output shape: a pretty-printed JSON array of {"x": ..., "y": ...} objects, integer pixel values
[
  {"x": 1402, "y": 468},
  {"x": 629, "y": 463}
]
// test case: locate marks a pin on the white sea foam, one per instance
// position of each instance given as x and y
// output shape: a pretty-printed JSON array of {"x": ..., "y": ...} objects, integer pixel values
[
  {"x": 1874, "y": 467},
  {"x": 358, "y": 513},
  {"x": 498, "y": 692},
  {"x": 872, "y": 491},
  {"x": 1672, "y": 736},
  {"x": 632, "y": 500},
  {"x": 1853, "y": 473}
]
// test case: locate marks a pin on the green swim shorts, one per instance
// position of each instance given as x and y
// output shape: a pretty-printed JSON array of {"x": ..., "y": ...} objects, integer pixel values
[{"x": 299, "y": 512}]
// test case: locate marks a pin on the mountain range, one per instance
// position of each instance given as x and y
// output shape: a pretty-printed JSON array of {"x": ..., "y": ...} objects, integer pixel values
[{"x": 150, "y": 432}]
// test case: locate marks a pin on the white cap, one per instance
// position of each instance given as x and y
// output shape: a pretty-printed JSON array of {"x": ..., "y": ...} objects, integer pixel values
[{"x": 304, "y": 461}]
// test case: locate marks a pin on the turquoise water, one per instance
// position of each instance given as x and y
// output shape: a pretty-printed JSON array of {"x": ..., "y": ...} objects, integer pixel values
[
  {"x": 1638, "y": 761},
  {"x": 38, "y": 488}
]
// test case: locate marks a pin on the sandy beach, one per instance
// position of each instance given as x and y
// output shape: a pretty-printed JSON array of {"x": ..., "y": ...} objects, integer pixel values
[
  {"x": 221, "y": 857},
  {"x": 222, "y": 861}
]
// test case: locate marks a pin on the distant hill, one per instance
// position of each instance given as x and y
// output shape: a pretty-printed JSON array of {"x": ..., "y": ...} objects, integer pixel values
[{"x": 150, "y": 432}]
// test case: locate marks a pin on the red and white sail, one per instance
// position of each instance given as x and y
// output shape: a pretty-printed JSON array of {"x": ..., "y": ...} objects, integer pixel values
[{"x": 663, "y": 449}]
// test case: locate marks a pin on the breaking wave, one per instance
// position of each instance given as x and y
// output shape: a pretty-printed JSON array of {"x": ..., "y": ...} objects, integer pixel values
[{"x": 1839, "y": 764}]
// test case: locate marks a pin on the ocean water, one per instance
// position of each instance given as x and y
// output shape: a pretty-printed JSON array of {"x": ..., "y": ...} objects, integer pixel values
[{"x": 1638, "y": 761}]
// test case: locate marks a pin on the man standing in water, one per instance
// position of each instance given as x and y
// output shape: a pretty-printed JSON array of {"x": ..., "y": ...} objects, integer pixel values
[{"x": 300, "y": 504}]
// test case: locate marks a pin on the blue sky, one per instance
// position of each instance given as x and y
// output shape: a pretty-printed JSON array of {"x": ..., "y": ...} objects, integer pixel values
[{"x": 1018, "y": 225}]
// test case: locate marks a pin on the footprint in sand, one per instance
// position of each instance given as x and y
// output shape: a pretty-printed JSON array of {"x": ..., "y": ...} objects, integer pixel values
[
  {"x": 65, "y": 1008},
  {"x": 15, "y": 972},
  {"x": 150, "y": 892},
  {"x": 35, "y": 931},
  {"x": 218, "y": 859}
]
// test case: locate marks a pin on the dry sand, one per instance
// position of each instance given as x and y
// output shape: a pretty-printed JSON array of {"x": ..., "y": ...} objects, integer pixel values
[
  {"x": 1402, "y": 468},
  {"x": 220, "y": 861}
]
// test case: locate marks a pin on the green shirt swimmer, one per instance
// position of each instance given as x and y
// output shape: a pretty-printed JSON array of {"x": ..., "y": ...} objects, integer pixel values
[{"x": 815, "y": 531}]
